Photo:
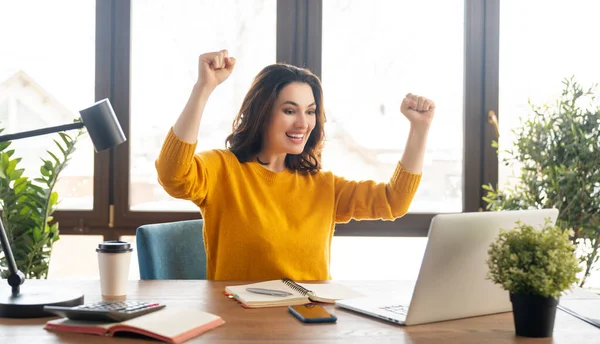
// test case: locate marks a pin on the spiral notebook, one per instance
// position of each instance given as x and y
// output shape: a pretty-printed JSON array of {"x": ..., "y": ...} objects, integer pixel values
[{"x": 301, "y": 293}]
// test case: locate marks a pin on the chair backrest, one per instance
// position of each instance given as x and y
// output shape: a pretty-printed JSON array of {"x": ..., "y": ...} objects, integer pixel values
[{"x": 173, "y": 250}]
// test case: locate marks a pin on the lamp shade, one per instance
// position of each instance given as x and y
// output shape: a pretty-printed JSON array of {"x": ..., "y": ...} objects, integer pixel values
[{"x": 102, "y": 125}]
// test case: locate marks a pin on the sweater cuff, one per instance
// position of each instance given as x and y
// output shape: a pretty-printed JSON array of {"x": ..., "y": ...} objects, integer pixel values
[
  {"x": 404, "y": 181},
  {"x": 176, "y": 150}
]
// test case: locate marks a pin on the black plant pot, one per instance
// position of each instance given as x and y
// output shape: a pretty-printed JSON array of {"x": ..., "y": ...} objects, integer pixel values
[{"x": 533, "y": 315}]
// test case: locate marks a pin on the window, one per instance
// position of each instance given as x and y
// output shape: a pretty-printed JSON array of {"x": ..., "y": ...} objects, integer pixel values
[
  {"x": 143, "y": 55},
  {"x": 167, "y": 40},
  {"x": 541, "y": 43},
  {"x": 46, "y": 77},
  {"x": 375, "y": 52}
]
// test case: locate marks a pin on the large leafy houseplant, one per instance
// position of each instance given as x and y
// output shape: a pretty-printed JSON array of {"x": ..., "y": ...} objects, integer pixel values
[
  {"x": 557, "y": 149},
  {"x": 28, "y": 205},
  {"x": 535, "y": 267}
]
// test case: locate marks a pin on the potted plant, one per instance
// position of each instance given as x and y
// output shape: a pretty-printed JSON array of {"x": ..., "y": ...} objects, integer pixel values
[
  {"x": 28, "y": 205},
  {"x": 535, "y": 266},
  {"x": 557, "y": 151}
]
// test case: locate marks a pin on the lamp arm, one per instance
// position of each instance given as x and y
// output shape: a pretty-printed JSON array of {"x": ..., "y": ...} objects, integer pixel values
[
  {"x": 16, "y": 277},
  {"x": 43, "y": 131}
]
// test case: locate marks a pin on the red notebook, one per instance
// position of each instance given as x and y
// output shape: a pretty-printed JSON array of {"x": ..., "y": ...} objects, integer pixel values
[{"x": 170, "y": 325}]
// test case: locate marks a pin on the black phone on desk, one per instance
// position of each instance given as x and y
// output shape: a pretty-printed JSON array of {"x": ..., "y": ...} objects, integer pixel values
[{"x": 312, "y": 313}]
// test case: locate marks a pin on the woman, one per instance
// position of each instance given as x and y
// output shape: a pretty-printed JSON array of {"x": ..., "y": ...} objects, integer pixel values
[{"x": 269, "y": 211}]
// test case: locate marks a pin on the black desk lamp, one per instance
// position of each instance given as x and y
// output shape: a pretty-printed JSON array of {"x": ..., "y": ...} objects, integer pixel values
[{"x": 105, "y": 132}]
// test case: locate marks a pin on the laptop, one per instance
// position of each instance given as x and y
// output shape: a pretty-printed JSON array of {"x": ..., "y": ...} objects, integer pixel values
[{"x": 452, "y": 280}]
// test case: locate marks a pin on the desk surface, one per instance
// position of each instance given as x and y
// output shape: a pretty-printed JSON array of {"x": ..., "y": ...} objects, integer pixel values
[{"x": 277, "y": 325}]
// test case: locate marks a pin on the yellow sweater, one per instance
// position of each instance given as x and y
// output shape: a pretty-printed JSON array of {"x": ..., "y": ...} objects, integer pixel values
[{"x": 263, "y": 225}]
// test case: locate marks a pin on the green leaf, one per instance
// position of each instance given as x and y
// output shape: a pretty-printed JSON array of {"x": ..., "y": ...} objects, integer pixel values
[
  {"x": 10, "y": 168},
  {"x": 17, "y": 173},
  {"x": 54, "y": 157},
  {"x": 37, "y": 234},
  {"x": 53, "y": 198},
  {"x": 38, "y": 190},
  {"x": 45, "y": 172},
  {"x": 4, "y": 145},
  {"x": 61, "y": 148},
  {"x": 48, "y": 164},
  {"x": 21, "y": 185},
  {"x": 66, "y": 139}
]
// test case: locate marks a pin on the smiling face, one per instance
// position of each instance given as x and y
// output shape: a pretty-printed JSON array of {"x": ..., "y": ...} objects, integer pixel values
[
  {"x": 292, "y": 120},
  {"x": 281, "y": 120}
]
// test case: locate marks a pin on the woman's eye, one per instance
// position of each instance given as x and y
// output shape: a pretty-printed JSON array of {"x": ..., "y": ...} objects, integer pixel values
[
  {"x": 288, "y": 111},
  {"x": 311, "y": 112}
]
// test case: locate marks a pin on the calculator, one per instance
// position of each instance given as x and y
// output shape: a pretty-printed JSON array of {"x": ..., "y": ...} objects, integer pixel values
[{"x": 106, "y": 311}]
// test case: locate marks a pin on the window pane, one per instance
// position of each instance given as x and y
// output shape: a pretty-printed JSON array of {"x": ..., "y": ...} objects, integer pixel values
[
  {"x": 541, "y": 43},
  {"x": 375, "y": 52},
  {"x": 47, "y": 58},
  {"x": 167, "y": 39},
  {"x": 62, "y": 264}
]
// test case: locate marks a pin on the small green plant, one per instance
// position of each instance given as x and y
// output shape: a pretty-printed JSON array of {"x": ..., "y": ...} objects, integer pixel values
[
  {"x": 527, "y": 261},
  {"x": 28, "y": 205}
]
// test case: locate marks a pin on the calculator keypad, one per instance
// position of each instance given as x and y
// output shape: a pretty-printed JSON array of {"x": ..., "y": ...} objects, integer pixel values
[
  {"x": 118, "y": 306},
  {"x": 106, "y": 310}
]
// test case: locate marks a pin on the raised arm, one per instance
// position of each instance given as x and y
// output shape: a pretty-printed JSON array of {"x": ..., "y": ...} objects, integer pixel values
[
  {"x": 182, "y": 173},
  {"x": 368, "y": 200},
  {"x": 419, "y": 111},
  {"x": 387, "y": 201},
  {"x": 213, "y": 69}
]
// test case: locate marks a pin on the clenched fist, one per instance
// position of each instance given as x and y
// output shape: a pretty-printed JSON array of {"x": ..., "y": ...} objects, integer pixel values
[
  {"x": 214, "y": 68},
  {"x": 418, "y": 110}
]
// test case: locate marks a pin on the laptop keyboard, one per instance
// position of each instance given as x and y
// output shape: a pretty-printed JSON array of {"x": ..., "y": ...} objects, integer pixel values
[{"x": 398, "y": 309}]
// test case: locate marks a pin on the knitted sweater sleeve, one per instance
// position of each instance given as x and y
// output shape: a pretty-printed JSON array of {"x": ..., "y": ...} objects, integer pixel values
[
  {"x": 184, "y": 174},
  {"x": 362, "y": 200}
]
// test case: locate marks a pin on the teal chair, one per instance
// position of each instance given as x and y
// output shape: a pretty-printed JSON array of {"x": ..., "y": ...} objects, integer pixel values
[{"x": 173, "y": 250}]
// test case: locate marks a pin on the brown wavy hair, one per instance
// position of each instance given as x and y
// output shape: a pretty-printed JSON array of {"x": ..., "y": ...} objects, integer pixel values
[{"x": 252, "y": 120}]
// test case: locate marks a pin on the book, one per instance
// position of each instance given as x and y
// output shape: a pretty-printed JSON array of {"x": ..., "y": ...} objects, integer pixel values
[
  {"x": 302, "y": 293},
  {"x": 169, "y": 325}
]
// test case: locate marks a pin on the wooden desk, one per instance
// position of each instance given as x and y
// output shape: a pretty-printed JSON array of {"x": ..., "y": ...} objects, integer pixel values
[{"x": 277, "y": 325}]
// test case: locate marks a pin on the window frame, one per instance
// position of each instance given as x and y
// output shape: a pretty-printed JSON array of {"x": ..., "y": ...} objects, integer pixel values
[
  {"x": 93, "y": 222},
  {"x": 299, "y": 41}
]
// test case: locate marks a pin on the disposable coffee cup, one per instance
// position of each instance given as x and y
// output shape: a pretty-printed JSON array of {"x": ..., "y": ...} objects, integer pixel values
[{"x": 114, "y": 257}]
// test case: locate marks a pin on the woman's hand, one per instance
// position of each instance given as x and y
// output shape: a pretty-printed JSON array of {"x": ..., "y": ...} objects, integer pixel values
[
  {"x": 214, "y": 68},
  {"x": 418, "y": 110}
]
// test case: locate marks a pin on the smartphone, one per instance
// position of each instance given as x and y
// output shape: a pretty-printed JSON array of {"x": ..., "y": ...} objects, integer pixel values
[{"x": 312, "y": 313}]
